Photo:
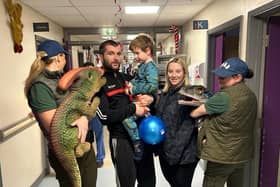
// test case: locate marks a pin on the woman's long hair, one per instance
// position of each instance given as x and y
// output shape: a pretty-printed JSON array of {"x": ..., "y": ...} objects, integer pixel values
[
  {"x": 36, "y": 68},
  {"x": 185, "y": 81}
]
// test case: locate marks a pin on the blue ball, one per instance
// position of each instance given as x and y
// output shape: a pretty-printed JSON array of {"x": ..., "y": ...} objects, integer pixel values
[{"x": 152, "y": 130}]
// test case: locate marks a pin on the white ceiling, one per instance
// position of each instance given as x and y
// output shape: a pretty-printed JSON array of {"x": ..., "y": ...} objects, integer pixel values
[
  {"x": 110, "y": 13},
  {"x": 107, "y": 13}
]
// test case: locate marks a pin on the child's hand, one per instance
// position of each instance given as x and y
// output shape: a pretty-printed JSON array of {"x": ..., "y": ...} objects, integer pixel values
[{"x": 128, "y": 88}]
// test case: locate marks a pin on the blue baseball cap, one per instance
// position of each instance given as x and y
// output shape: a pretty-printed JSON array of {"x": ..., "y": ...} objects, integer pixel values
[
  {"x": 52, "y": 48},
  {"x": 232, "y": 66}
]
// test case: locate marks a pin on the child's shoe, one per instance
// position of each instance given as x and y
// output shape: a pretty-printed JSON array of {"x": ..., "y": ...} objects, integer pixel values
[
  {"x": 99, "y": 163},
  {"x": 138, "y": 150}
]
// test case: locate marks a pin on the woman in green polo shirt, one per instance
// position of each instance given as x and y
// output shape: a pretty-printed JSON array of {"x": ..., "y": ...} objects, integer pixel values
[
  {"x": 226, "y": 138},
  {"x": 44, "y": 98}
]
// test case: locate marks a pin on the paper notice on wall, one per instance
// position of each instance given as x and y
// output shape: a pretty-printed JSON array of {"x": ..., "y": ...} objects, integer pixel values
[{"x": 197, "y": 74}]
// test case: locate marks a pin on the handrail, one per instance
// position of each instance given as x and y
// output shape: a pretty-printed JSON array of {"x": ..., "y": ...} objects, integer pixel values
[{"x": 16, "y": 127}]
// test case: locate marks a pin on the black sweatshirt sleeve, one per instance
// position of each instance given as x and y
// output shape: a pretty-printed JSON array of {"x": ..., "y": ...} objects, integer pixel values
[{"x": 108, "y": 115}]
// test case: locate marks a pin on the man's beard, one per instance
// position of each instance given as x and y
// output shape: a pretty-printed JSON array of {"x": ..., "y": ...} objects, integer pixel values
[{"x": 107, "y": 65}]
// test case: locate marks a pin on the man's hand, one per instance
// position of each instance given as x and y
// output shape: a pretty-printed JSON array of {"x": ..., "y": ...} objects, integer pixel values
[
  {"x": 141, "y": 110},
  {"x": 144, "y": 100}
]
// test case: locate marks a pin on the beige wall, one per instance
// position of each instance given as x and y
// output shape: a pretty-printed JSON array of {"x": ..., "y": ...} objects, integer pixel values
[
  {"x": 15, "y": 66},
  {"x": 20, "y": 156},
  {"x": 218, "y": 13},
  {"x": 17, "y": 160},
  {"x": 75, "y": 50}
]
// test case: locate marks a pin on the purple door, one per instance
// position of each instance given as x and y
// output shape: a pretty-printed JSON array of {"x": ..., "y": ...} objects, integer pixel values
[
  {"x": 271, "y": 103},
  {"x": 219, "y": 40}
]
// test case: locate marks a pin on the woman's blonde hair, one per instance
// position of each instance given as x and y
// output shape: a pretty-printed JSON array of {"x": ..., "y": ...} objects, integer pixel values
[
  {"x": 36, "y": 68},
  {"x": 185, "y": 81}
]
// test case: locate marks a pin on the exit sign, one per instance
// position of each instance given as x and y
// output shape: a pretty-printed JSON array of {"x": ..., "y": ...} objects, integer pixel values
[{"x": 200, "y": 24}]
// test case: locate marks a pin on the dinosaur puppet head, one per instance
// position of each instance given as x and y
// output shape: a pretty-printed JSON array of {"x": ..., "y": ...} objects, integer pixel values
[
  {"x": 85, "y": 81},
  {"x": 196, "y": 94}
]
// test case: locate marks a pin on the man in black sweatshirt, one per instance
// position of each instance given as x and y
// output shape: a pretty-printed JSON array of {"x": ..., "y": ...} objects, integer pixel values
[{"x": 114, "y": 107}]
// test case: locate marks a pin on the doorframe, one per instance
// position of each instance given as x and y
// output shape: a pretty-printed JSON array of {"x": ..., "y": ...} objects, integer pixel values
[
  {"x": 255, "y": 57},
  {"x": 211, "y": 34}
]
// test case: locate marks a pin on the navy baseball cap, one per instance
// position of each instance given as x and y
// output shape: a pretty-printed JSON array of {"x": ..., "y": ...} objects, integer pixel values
[
  {"x": 232, "y": 66},
  {"x": 52, "y": 48}
]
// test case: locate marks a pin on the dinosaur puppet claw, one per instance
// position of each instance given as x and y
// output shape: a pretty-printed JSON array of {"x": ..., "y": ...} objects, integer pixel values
[
  {"x": 18, "y": 48},
  {"x": 81, "y": 149}
]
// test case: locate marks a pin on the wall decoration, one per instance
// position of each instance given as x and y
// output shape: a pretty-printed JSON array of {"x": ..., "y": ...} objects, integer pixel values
[
  {"x": 15, "y": 10},
  {"x": 175, "y": 30},
  {"x": 197, "y": 74},
  {"x": 118, "y": 14}
]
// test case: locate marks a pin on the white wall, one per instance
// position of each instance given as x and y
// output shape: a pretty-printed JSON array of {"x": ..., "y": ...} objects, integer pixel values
[
  {"x": 15, "y": 156},
  {"x": 20, "y": 156},
  {"x": 75, "y": 50},
  {"x": 218, "y": 13},
  {"x": 15, "y": 66},
  {"x": 195, "y": 44}
]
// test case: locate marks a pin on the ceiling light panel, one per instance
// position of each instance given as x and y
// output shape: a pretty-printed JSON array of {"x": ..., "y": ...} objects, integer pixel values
[{"x": 141, "y": 9}]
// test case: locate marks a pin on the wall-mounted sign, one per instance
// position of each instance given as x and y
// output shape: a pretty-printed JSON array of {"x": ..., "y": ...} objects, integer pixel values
[
  {"x": 200, "y": 24},
  {"x": 41, "y": 27}
]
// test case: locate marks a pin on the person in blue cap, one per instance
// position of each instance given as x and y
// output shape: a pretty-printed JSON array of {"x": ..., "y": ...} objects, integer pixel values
[
  {"x": 44, "y": 98},
  {"x": 225, "y": 139}
]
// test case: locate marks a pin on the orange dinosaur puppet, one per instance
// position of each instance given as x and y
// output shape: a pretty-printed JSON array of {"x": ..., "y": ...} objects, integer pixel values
[{"x": 14, "y": 10}]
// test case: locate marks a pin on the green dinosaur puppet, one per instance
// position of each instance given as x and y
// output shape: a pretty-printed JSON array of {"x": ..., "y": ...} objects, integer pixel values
[{"x": 80, "y": 101}]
